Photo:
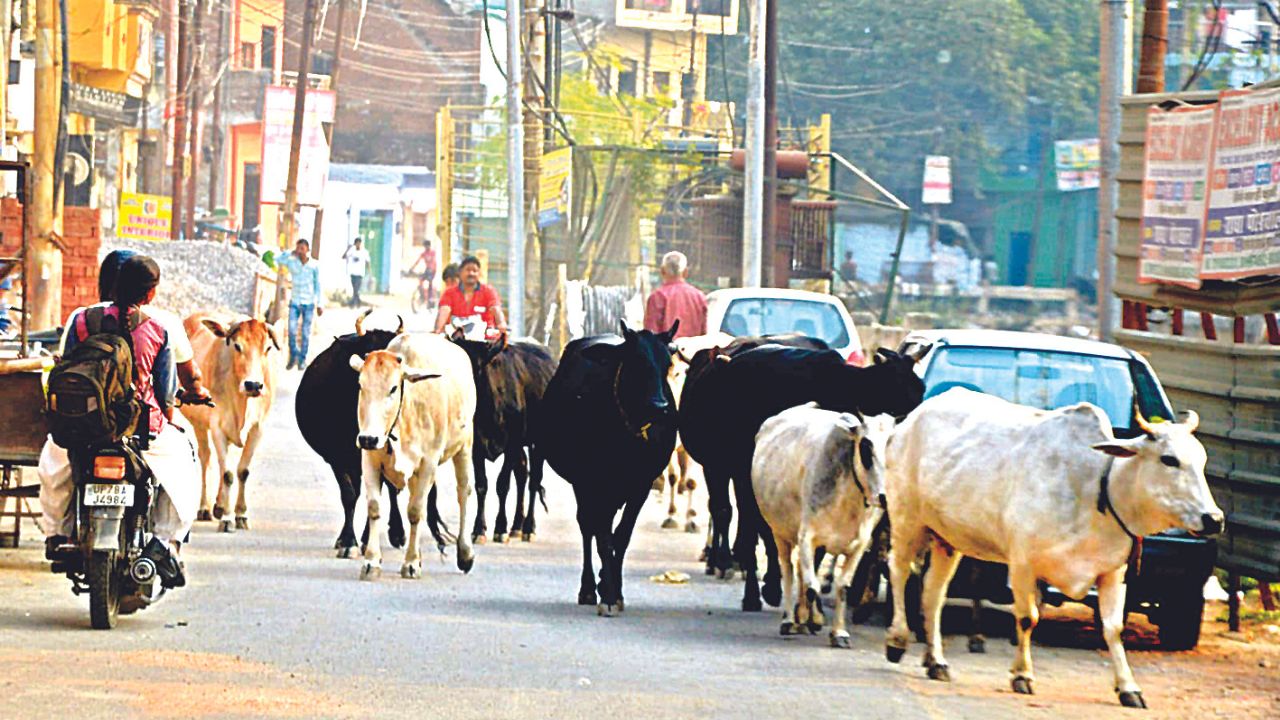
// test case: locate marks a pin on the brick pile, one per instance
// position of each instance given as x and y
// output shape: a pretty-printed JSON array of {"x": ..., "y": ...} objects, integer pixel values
[{"x": 81, "y": 238}]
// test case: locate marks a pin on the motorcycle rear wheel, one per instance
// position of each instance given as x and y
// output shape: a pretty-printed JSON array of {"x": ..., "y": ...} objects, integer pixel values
[{"x": 104, "y": 589}]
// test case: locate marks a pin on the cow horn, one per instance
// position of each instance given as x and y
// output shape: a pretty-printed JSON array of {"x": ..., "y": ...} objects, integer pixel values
[
  {"x": 1143, "y": 425},
  {"x": 400, "y": 327},
  {"x": 1192, "y": 420},
  {"x": 360, "y": 321}
]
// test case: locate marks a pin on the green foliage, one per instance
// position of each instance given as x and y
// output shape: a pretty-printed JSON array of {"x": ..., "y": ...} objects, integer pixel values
[{"x": 906, "y": 79}]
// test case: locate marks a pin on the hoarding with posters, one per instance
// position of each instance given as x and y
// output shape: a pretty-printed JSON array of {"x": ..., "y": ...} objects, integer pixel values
[
  {"x": 1242, "y": 225},
  {"x": 554, "y": 186},
  {"x": 1178, "y": 147},
  {"x": 277, "y": 137},
  {"x": 1077, "y": 164},
  {"x": 144, "y": 217}
]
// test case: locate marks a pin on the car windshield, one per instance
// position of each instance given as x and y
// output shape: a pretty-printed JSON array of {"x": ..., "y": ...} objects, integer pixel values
[
  {"x": 1049, "y": 380},
  {"x": 773, "y": 316}
]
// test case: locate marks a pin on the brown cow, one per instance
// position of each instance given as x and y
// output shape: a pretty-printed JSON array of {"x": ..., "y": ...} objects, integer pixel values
[{"x": 240, "y": 359}]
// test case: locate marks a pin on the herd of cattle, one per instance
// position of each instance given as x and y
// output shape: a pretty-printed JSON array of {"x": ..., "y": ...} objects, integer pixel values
[{"x": 813, "y": 453}]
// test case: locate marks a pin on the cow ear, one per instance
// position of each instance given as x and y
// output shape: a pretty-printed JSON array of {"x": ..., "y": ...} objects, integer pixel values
[
  {"x": 357, "y": 363},
  {"x": 275, "y": 339},
  {"x": 1119, "y": 448},
  {"x": 918, "y": 352},
  {"x": 493, "y": 349},
  {"x": 670, "y": 334},
  {"x": 413, "y": 376},
  {"x": 627, "y": 332},
  {"x": 215, "y": 327}
]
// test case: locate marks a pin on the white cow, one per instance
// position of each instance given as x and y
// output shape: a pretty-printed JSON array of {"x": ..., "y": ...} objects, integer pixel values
[
  {"x": 1052, "y": 494},
  {"x": 818, "y": 477},
  {"x": 681, "y": 476},
  {"x": 417, "y": 402}
]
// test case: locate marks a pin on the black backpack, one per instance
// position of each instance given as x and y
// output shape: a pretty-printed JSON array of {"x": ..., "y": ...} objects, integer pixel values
[{"x": 90, "y": 398}]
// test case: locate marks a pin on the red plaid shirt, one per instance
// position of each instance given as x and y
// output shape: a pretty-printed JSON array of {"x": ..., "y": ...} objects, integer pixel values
[{"x": 676, "y": 300}]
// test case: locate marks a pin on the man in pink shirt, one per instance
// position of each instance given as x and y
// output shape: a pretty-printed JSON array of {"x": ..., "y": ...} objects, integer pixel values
[{"x": 676, "y": 300}]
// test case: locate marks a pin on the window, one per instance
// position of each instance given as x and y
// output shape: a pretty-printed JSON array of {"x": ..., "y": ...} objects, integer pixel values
[
  {"x": 627, "y": 77},
  {"x": 248, "y": 56},
  {"x": 1048, "y": 380},
  {"x": 322, "y": 63},
  {"x": 775, "y": 316},
  {"x": 252, "y": 194},
  {"x": 719, "y": 8},
  {"x": 662, "y": 84},
  {"x": 268, "y": 48},
  {"x": 650, "y": 5}
]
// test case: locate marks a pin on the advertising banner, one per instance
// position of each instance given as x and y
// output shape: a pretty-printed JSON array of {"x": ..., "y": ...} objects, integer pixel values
[
  {"x": 1242, "y": 226},
  {"x": 554, "y": 186},
  {"x": 1174, "y": 189},
  {"x": 277, "y": 137},
  {"x": 144, "y": 217},
  {"x": 937, "y": 180},
  {"x": 1078, "y": 164}
]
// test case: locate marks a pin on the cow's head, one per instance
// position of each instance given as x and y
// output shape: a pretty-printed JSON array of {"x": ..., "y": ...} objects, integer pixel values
[
  {"x": 383, "y": 379},
  {"x": 481, "y": 352},
  {"x": 895, "y": 389},
  {"x": 641, "y": 381},
  {"x": 1159, "y": 479},
  {"x": 867, "y": 439},
  {"x": 251, "y": 343}
]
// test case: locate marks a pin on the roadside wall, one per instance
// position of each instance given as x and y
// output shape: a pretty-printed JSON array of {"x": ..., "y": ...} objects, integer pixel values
[{"x": 81, "y": 238}]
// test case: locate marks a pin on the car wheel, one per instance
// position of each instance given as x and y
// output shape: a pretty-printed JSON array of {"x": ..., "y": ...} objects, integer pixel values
[{"x": 1179, "y": 620}]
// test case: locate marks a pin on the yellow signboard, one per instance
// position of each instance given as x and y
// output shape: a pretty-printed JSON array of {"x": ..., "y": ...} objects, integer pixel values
[
  {"x": 144, "y": 217},
  {"x": 553, "y": 186}
]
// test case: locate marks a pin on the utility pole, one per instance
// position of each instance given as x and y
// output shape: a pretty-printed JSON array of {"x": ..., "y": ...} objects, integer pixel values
[
  {"x": 515, "y": 170},
  {"x": 289, "y": 226},
  {"x": 180, "y": 123},
  {"x": 219, "y": 133},
  {"x": 44, "y": 294},
  {"x": 769, "y": 210},
  {"x": 329, "y": 129},
  {"x": 753, "y": 181},
  {"x": 1155, "y": 45},
  {"x": 195, "y": 91},
  {"x": 1115, "y": 75}
]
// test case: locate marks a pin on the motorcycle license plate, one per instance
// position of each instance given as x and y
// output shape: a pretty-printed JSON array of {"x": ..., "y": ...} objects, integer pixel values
[{"x": 108, "y": 495}]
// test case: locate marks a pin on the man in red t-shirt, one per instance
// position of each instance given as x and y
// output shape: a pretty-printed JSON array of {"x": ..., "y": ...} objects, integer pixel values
[
  {"x": 675, "y": 300},
  {"x": 471, "y": 299}
]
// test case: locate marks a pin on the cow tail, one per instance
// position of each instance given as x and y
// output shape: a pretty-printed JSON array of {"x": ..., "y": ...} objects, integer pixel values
[
  {"x": 439, "y": 529},
  {"x": 542, "y": 495}
]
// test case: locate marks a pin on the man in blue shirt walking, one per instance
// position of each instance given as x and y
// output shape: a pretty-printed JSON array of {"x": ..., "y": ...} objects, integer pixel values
[{"x": 304, "y": 301}]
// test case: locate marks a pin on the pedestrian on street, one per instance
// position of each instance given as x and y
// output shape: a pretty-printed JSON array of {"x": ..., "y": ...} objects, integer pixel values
[
  {"x": 303, "y": 302},
  {"x": 471, "y": 299},
  {"x": 426, "y": 282},
  {"x": 675, "y": 300},
  {"x": 357, "y": 263}
]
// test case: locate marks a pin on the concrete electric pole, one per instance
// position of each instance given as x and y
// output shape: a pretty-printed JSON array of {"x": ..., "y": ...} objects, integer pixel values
[
  {"x": 769, "y": 208},
  {"x": 194, "y": 93},
  {"x": 318, "y": 225},
  {"x": 1115, "y": 75},
  {"x": 44, "y": 295},
  {"x": 515, "y": 171},
  {"x": 176, "y": 192},
  {"x": 753, "y": 182}
]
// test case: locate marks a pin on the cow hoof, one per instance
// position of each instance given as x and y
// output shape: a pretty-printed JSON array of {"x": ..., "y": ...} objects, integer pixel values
[
  {"x": 606, "y": 610},
  {"x": 939, "y": 671},
  {"x": 465, "y": 564},
  {"x": 217, "y": 512},
  {"x": 370, "y": 572},
  {"x": 346, "y": 553},
  {"x": 204, "y": 516},
  {"x": 528, "y": 537},
  {"x": 479, "y": 539},
  {"x": 691, "y": 527},
  {"x": 500, "y": 538},
  {"x": 977, "y": 645},
  {"x": 772, "y": 594},
  {"x": 751, "y": 605},
  {"x": 410, "y": 571},
  {"x": 894, "y": 654},
  {"x": 1133, "y": 700},
  {"x": 621, "y": 605},
  {"x": 670, "y": 524},
  {"x": 787, "y": 628},
  {"x": 587, "y": 597},
  {"x": 702, "y": 557},
  {"x": 724, "y": 573},
  {"x": 840, "y": 641},
  {"x": 814, "y": 627},
  {"x": 242, "y": 523},
  {"x": 396, "y": 539},
  {"x": 1022, "y": 686},
  {"x": 227, "y": 526}
]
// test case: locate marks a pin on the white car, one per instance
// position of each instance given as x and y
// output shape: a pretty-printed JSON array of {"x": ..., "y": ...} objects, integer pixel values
[{"x": 742, "y": 312}]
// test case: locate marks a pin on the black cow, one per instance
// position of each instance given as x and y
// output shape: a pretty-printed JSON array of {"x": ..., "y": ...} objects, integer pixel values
[
  {"x": 728, "y": 396},
  {"x": 607, "y": 425},
  {"x": 510, "y": 381}
]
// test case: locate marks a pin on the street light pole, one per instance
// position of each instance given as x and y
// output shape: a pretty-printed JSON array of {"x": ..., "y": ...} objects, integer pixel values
[
  {"x": 515, "y": 171},
  {"x": 1115, "y": 74}
]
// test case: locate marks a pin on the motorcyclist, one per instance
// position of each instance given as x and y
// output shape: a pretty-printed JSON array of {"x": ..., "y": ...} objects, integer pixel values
[
  {"x": 170, "y": 455},
  {"x": 471, "y": 300}
]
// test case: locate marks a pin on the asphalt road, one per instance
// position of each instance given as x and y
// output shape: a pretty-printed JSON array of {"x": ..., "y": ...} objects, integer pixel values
[{"x": 273, "y": 625}]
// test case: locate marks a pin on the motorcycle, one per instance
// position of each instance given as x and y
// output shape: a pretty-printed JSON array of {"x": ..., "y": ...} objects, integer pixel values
[{"x": 114, "y": 557}]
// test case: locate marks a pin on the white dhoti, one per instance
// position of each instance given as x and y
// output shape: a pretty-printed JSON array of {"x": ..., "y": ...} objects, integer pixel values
[{"x": 171, "y": 457}]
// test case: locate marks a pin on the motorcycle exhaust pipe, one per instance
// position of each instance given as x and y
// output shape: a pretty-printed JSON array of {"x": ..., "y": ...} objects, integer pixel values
[{"x": 143, "y": 570}]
